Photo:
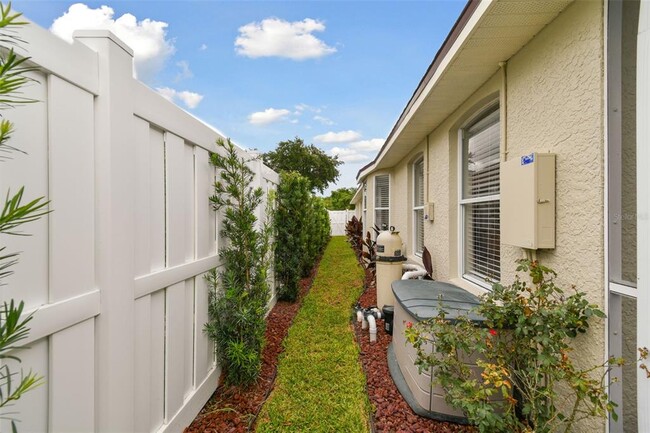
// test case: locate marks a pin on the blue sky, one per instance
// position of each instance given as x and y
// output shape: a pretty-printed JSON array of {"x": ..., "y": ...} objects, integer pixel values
[{"x": 335, "y": 73}]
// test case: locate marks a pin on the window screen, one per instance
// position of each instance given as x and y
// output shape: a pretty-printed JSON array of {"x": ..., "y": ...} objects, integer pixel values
[{"x": 382, "y": 194}]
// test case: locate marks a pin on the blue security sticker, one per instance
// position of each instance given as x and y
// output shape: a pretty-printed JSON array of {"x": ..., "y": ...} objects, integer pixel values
[{"x": 528, "y": 159}]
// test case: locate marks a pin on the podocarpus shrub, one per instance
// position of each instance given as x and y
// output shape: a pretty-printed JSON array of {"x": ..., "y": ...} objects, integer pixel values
[
  {"x": 239, "y": 293},
  {"x": 13, "y": 214},
  {"x": 525, "y": 353},
  {"x": 302, "y": 230},
  {"x": 291, "y": 219},
  {"x": 318, "y": 234}
]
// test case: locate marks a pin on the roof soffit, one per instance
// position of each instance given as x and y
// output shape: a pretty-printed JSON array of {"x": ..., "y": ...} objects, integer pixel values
[{"x": 496, "y": 31}]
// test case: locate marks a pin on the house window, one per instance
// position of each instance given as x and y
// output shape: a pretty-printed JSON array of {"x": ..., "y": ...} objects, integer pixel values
[
  {"x": 382, "y": 205},
  {"x": 418, "y": 206},
  {"x": 479, "y": 201}
]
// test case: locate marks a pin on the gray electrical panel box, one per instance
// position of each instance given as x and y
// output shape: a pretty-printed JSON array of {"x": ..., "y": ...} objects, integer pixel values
[{"x": 528, "y": 201}]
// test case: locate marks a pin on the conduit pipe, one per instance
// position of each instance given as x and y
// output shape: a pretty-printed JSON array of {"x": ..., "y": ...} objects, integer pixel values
[
  {"x": 413, "y": 271},
  {"x": 503, "y": 107},
  {"x": 411, "y": 275}
]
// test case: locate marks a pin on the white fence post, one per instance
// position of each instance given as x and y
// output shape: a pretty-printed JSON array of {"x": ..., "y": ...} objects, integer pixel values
[{"x": 114, "y": 236}]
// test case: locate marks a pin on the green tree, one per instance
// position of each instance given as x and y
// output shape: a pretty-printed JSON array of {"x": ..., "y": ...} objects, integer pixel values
[
  {"x": 239, "y": 293},
  {"x": 14, "y": 214},
  {"x": 340, "y": 199},
  {"x": 308, "y": 160}
]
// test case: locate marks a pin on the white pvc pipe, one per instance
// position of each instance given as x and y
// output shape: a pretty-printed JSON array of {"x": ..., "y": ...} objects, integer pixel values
[
  {"x": 359, "y": 316},
  {"x": 364, "y": 323},
  {"x": 411, "y": 267},
  {"x": 373, "y": 328},
  {"x": 413, "y": 274}
]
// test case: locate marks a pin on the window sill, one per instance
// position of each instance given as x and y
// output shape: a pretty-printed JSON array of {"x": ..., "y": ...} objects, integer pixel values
[{"x": 471, "y": 287}]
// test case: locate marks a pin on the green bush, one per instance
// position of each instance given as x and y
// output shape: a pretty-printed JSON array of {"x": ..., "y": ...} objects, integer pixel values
[
  {"x": 318, "y": 234},
  {"x": 525, "y": 354},
  {"x": 302, "y": 230},
  {"x": 239, "y": 294},
  {"x": 291, "y": 220}
]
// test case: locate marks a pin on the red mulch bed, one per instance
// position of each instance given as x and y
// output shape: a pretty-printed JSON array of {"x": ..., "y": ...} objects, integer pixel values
[
  {"x": 234, "y": 410},
  {"x": 392, "y": 413}
]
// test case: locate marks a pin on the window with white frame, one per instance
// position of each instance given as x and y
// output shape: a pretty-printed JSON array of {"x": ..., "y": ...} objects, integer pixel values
[
  {"x": 382, "y": 201},
  {"x": 418, "y": 206},
  {"x": 479, "y": 200}
]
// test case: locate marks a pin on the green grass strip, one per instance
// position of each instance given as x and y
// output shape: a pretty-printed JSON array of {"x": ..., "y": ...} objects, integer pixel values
[{"x": 320, "y": 386}]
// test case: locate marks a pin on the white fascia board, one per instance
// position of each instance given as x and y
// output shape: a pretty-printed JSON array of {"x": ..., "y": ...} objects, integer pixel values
[{"x": 440, "y": 70}]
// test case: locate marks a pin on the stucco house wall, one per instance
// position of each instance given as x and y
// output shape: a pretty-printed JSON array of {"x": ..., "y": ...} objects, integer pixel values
[{"x": 553, "y": 102}]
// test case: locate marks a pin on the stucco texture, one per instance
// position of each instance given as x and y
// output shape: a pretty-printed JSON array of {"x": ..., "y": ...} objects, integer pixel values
[
  {"x": 555, "y": 88},
  {"x": 555, "y": 104}
]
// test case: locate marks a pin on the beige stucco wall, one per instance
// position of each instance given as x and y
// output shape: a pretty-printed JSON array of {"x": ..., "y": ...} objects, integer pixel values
[{"x": 555, "y": 103}]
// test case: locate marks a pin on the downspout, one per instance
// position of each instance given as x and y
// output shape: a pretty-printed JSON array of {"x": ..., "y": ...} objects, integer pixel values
[
  {"x": 426, "y": 173},
  {"x": 643, "y": 207}
]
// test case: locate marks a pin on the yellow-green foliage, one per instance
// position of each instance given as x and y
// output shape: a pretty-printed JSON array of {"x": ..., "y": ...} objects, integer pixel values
[{"x": 320, "y": 386}]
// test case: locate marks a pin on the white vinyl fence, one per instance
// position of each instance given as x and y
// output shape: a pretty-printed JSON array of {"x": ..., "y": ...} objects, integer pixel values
[
  {"x": 338, "y": 219},
  {"x": 115, "y": 272}
]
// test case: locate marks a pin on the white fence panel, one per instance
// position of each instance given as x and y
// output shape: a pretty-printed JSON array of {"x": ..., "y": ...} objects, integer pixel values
[
  {"x": 72, "y": 188},
  {"x": 129, "y": 177},
  {"x": 338, "y": 218},
  {"x": 30, "y": 281}
]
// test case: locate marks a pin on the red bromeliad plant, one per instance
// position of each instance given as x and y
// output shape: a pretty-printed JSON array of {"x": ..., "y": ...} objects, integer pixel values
[
  {"x": 364, "y": 248},
  {"x": 529, "y": 381}
]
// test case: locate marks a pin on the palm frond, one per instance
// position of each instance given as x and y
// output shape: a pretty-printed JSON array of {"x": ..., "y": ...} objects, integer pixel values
[{"x": 14, "y": 213}]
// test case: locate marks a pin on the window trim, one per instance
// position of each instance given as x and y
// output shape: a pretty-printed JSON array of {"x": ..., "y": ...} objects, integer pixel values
[
  {"x": 415, "y": 208},
  {"x": 479, "y": 114}
]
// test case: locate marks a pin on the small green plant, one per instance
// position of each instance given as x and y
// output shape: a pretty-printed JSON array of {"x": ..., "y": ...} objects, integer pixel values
[
  {"x": 529, "y": 381},
  {"x": 239, "y": 293},
  {"x": 14, "y": 214}
]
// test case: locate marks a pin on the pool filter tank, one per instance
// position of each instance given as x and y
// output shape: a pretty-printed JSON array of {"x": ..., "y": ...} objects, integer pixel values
[{"x": 389, "y": 265}]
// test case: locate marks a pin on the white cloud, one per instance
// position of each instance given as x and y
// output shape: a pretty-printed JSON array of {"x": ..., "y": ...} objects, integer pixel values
[
  {"x": 324, "y": 120},
  {"x": 368, "y": 145},
  {"x": 147, "y": 38},
  {"x": 267, "y": 116},
  {"x": 189, "y": 99},
  {"x": 349, "y": 155},
  {"x": 184, "y": 72},
  {"x": 304, "y": 107},
  {"x": 274, "y": 37},
  {"x": 203, "y": 47},
  {"x": 338, "y": 137}
]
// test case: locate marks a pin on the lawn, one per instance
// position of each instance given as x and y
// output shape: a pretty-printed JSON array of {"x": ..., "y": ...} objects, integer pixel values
[{"x": 320, "y": 386}]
